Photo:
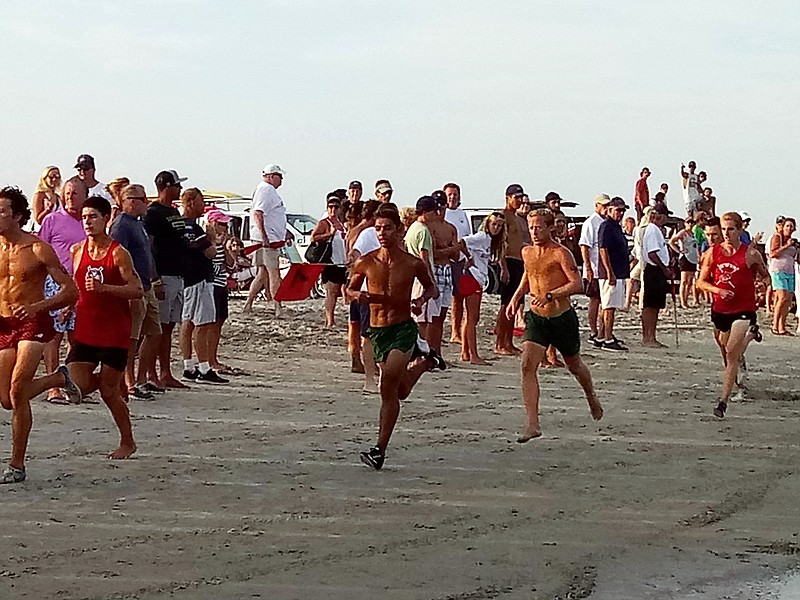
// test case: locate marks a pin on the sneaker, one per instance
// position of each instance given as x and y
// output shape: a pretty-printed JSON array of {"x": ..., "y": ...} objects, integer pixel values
[
  {"x": 373, "y": 457},
  {"x": 140, "y": 393},
  {"x": 592, "y": 337},
  {"x": 756, "y": 333},
  {"x": 436, "y": 358},
  {"x": 598, "y": 343},
  {"x": 720, "y": 410},
  {"x": 614, "y": 346},
  {"x": 14, "y": 475},
  {"x": 210, "y": 377},
  {"x": 71, "y": 391},
  {"x": 151, "y": 387},
  {"x": 190, "y": 375}
]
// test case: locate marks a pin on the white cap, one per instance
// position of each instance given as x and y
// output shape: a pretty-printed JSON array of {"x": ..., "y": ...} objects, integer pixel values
[
  {"x": 745, "y": 216},
  {"x": 271, "y": 169}
]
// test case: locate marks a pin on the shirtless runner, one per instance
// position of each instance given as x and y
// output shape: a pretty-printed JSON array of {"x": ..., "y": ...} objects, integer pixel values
[
  {"x": 107, "y": 282},
  {"x": 390, "y": 273},
  {"x": 551, "y": 277},
  {"x": 728, "y": 273},
  {"x": 25, "y": 323}
]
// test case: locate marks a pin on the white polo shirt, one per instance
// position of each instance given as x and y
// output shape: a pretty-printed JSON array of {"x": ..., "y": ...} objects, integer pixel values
[
  {"x": 590, "y": 239},
  {"x": 267, "y": 200}
]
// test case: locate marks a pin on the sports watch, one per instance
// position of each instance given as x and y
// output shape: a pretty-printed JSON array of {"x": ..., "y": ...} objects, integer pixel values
[{"x": 548, "y": 296}]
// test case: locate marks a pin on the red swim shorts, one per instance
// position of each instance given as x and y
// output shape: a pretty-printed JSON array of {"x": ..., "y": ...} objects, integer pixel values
[{"x": 14, "y": 330}]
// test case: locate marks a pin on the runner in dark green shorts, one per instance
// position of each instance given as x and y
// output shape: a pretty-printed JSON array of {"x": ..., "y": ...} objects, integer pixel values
[
  {"x": 390, "y": 273},
  {"x": 551, "y": 276}
]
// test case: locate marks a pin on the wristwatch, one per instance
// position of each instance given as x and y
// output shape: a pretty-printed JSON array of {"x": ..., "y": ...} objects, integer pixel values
[{"x": 548, "y": 296}]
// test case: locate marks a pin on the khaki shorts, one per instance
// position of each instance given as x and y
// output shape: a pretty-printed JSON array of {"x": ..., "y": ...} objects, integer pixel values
[
  {"x": 267, "y": 257},
  {"x": 144, "y": 316}
]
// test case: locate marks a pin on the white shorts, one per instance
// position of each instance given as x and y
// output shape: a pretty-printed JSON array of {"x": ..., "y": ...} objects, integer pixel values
[
  {"x": 169, "y": 309},
  {"x": 443, "y": 278},
  {"x": 612, "y": 296},
  {"x": 198, "y": 303},
  {"x": 267, "y": 257}
]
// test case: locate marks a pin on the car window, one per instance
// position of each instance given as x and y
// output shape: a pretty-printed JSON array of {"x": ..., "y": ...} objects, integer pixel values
[{"x": 304, "y": 224}]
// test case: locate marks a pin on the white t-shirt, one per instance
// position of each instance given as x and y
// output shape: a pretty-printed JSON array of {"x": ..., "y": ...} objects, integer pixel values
[
  {"x": 589, "y": 238},
  {"x": 458, "y": 218},
  {"x": 337, "y": 247},
  {"x": 653, "y": 240},
  {"x": 267, "y": 200},
  {"x": 480, "y": 248},
  {"x": 690, "y": 193},
  {"x": 100, "y": 190}
]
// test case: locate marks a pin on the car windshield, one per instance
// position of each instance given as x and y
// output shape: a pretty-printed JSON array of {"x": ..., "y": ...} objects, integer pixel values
[{"x": 303, "y": 223}]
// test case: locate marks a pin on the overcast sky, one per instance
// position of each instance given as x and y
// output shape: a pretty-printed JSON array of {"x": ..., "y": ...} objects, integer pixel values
[{"x": 569, "y": 96}]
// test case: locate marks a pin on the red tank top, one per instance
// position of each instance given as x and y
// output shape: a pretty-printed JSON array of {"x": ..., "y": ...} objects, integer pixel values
[
  {"x": 101, "y": 320},
  {"x": 732, "y": 273}
]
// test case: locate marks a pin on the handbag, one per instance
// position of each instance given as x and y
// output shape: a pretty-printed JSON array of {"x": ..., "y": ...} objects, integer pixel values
[{"x": 320, "y": 252}]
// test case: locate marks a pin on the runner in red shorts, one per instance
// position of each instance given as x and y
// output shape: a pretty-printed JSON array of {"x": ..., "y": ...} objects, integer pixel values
[
  {"x": 107, "y": 281},
  {"x": 25, "y": 324}
]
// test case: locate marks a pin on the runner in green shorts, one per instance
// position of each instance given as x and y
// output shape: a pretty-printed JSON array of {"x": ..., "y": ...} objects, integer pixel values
[
  {"x": 551, "y": 277},
  {"x": 390, "y": 273}
]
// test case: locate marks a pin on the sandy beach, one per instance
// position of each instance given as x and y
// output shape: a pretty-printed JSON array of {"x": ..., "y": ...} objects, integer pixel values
[{"x": 254, "y": 490}]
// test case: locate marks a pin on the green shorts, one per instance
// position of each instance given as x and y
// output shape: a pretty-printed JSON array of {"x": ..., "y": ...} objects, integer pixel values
[
  {"x": 400, "y": 336},
  {"x": 561, "y": 331}
]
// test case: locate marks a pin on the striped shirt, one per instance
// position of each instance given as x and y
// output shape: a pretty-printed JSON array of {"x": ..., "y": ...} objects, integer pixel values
[{"x": 220, "y": 274}]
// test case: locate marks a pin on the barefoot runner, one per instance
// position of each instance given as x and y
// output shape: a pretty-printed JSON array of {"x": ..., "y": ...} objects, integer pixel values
[
  {"x": 25, "y": 323},
  {"x": 107, "y": 282},
  {"x": 728, "y": 274},
  {"x": 551, "y": 277},
  {"x": 390, "y": 273}
]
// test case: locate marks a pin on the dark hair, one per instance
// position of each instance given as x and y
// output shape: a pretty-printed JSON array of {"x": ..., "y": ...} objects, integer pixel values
[
  {"x": 664, "y": 185},
  {"x": 100, "y": 204},
  {"x": 451, "y": 185},
  {"x": 660, "y": 197},
  {"x": 389, "y": 211},
  {"x": 340, "y": 193},
  {"x": 18, "y": 202},
  {"x": 368, "y": 211},
  {"x": 713, "y": 222}
]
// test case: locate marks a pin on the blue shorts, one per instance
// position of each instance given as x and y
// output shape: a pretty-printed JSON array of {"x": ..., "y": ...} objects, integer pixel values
[{"x": 783, "y": 281}]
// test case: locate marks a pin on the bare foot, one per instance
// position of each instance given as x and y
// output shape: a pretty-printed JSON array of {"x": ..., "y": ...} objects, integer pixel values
[
  {"x": 596, "y": 409},
  {"x": 477, "y": 360},
  {"x": 171, "y": 382},
  {"x": 654, "y": 344},
  {"x": 369, "y": 389},
  {"x": 454, "y": 340},
  {"x": 247, "y": 310},
  {"x": 531, "y": 432},
  {"x": 512, "y": 351},
  {"x": 122, "y": 452},
  {"x": 556, "y": 364}
]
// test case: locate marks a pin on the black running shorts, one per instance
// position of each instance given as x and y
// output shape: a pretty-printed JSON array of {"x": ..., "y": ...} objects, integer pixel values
[
  {"x": 115, "y": 358},
  {"x": 561, "y": 331},
  {"x": 724, "y": 321}
]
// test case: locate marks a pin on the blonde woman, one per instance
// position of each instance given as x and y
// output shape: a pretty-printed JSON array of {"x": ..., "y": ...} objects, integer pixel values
[
  {"x": 488, "y": 244},
  {"x": 115, "y": 189},
  {"x": 47, "y": 197}
]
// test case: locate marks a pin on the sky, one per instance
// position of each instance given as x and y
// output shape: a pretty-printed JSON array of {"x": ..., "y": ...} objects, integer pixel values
[{"x": 574, "y": 97}]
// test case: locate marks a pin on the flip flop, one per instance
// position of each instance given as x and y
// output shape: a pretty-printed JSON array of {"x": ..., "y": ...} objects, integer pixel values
[{"x": 58, "y": 399}]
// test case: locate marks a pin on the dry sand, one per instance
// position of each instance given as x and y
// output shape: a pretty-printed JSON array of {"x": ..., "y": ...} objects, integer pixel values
[{"x": 255, "y": 490}]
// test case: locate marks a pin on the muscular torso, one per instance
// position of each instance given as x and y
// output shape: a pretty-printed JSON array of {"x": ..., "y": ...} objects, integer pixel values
[
  {"x": 22, "y": 274},
  {"x": 444, "y": 236},
  {"x": 391, "y": 277},
  {"x": 545, "y": 269}
]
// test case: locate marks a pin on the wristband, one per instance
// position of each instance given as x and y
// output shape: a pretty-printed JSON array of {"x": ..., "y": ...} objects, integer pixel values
[{"x": 156, "y": 282}]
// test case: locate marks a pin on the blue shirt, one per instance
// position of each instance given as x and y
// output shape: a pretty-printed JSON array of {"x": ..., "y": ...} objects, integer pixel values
[
  {"x": 611, "y": 237},
  {"x": 131, "y": 235}
]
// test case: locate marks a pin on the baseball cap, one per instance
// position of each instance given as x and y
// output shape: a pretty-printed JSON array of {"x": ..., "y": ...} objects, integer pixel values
[
  {"x": 780, "y": 219},
  {"x": 603, "y": 199},
  {"x": 514, "y": 189},
  {"x": 217, "y": 216},
  {"x": 426, "y": 204},
  {"x": 383, "y": 188},
  {"x": 169, "y": 178},
  {"x": 746, "y": 216},
  {"x": 271, "y": 169},
  {"x": 440, "y": 197},
  {"x": 355, "y": 184},
  {"x": 333, "y": 198},
  {"x": 84, "y": 161},
  {"x": 618, "y": 202},
  {"x": 552, "y": 196}
]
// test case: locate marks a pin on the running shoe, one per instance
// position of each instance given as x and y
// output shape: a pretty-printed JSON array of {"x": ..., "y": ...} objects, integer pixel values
[
  {"x": 140, "y": 393},
  {"x": 597, "y": 343},
  {"x": 756, "y": 333},
  {"x": 71, "y": 391},
  {"x": 14, "y": 475},
  {"x": 373, "y": 457},
  {"x": 436, "y": 358},
  {"x": 190, "y": 375},
  {"x": 151, "y": 387},
  {"x": 720, "y": 410},
  {"x": 210, "y": 377},
  {"x": 614, "y": 346}
]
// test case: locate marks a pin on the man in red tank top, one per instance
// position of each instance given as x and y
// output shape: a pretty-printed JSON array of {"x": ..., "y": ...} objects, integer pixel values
[
  {"x": 727, "y": 273},
  {"x": 106, "y": 282}
]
